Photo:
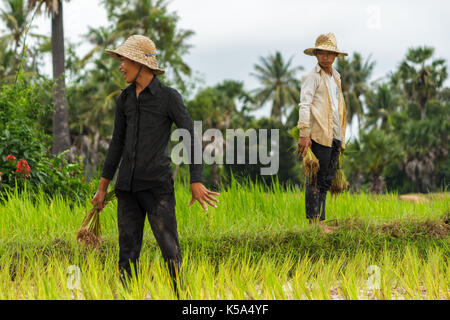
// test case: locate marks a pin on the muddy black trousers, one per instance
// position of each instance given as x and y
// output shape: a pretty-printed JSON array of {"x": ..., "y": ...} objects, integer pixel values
[
  {"x": 316, "y": 189},
  {"x": 158, "y": 205}
]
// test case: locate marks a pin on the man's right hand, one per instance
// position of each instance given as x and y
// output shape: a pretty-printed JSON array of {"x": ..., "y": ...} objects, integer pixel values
[
  {"x": 303, "y": 144},
  {"x": 98, "y": 200}
]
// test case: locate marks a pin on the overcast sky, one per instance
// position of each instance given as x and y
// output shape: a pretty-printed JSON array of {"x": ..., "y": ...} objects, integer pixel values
[{"x": 231, "y": 35}]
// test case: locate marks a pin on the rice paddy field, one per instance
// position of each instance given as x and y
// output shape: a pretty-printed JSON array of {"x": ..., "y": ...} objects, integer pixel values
[{"x": 256, "y": 245}]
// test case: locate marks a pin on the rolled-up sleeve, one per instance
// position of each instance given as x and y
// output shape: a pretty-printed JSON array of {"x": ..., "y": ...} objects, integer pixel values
[
  {"x": 180, "y": 115},
  {"x": 308, "y": 89},
  {"x": 117, "y": 142}
]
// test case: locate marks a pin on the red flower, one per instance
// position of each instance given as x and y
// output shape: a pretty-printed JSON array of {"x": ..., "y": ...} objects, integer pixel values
[
  {"x": 23, "y": 169},
  {"x": 10, "y": 157}
]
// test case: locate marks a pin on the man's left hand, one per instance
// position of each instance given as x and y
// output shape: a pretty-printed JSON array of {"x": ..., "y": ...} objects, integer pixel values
[{"x": 202, "y": 195}]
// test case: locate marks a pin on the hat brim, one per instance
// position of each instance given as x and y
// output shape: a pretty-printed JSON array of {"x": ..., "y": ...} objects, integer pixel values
[
  {"x": 116, "y": 55},
  {"x": 310, "y": 52}
]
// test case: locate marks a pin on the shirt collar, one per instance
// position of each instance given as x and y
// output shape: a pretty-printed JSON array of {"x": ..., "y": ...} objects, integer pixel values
[
  {"x": 333, "y": 71},
  {"x": 153, "y": 86}
]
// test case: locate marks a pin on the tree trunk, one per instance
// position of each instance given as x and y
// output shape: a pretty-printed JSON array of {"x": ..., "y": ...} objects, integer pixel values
[
  {"x": 376, "y": 183},
  {"x": 423, "y": 110},
  {"x": 276, "y": 112},
  {"x": 61, "y": 135}
]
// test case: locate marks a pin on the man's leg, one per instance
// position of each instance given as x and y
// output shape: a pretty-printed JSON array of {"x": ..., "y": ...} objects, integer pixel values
[
  {"x": 130, "y": 220},
  {"x": 333, "y": 164},
  {"x": 160, "y": 205},
  {"x": 316, "y": 187},
  {"x": 328, "y": 179}
]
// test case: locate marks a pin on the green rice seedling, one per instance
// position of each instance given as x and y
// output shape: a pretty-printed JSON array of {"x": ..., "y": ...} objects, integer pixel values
[{"x": 257, "y": 246}]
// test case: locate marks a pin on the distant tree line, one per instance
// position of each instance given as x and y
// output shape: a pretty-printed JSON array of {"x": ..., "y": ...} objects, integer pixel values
[{"x": 403, "y": 119}]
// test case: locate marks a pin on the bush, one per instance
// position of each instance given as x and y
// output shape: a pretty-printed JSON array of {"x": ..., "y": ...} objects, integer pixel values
[{"x": 25, "y": 158}]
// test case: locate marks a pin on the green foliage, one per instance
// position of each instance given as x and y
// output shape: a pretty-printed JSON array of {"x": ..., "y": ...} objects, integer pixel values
[
  {"x": 404, "y": 141},
  {"x": 289, "y": 172},
  {"x": 21, "y": 108}
]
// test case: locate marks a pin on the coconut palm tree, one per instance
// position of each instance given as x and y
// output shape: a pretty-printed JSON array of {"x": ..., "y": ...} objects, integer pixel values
[
  {"x": 16, "y": 18},
  {"x": 61, "y": 135},
  {"x": 278, "y": 84},
  {"x": 421, "y": 77},
  {"x": 7, "y": 57}
]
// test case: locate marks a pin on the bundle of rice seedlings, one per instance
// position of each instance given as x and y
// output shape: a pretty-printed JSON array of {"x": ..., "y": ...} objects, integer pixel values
[
  {"x": 90, "y": 233},
  {"x": 339, "y": 183},
  {"x": 310, "y": 164}
]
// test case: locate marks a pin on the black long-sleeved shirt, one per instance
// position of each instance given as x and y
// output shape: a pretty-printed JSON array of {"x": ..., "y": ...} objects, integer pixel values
[{"x": 141, "y": 137}]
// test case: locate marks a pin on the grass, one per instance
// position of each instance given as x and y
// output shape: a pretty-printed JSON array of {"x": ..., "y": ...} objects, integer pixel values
[{"x": 255, "y": 245}]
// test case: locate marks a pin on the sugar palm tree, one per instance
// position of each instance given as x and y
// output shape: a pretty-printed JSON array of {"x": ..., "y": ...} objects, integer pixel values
[
  {"x": 420, "y": 77},
  {"x": 278, "y": 84},
  {"x": 61, "y": 134},
  {"x": 377, "y": 149},
  {"x": 380, "y": 104}
]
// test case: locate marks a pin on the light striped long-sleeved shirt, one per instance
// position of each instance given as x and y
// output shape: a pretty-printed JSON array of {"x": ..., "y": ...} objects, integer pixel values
[{"x": 316, "y": 120}]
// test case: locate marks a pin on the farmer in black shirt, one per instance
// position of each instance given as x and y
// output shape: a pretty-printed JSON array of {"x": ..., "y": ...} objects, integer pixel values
[{"x": 144, "y": 114}]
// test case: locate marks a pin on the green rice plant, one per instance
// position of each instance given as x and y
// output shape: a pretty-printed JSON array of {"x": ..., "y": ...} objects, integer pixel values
[{"x": 257, "y": 246}]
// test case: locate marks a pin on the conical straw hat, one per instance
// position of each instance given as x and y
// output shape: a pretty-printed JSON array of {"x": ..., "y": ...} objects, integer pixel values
[
  {"x": 139, "y": 49},
  {"x": 325, "y": 42}
]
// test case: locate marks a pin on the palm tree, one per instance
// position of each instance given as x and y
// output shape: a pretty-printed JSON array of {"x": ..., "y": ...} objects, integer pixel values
[
  {"x": 377, "y": 149},
  {"x": 380, "y": 105},
  {"x": 61, "y": 134},
  {"x": 217, "y": 107},
  {"x": 7, "y": 60},
  {"x": 279, "y": 84},
  {"x": 16, "y": 18},
  {"x": 153, "y": 19},
  {"x": 421, "y": 78},
  {"x": 354, "y": 76}
]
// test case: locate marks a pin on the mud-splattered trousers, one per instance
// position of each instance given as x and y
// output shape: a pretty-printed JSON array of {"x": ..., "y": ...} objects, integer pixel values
[
  {"x": 158, "y": 205},
  {"x": 316, "y": 189}
]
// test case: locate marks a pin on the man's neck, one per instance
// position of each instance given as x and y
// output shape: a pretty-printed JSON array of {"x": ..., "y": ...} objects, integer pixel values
[
  {"x": 327, "y": 70},
  {"x": 143, "y": 81}
]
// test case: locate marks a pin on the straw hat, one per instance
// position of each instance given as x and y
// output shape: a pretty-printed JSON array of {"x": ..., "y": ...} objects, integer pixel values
[
  {"x": 325, "y": 42},
  {"x": 139, "y": 49}
]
